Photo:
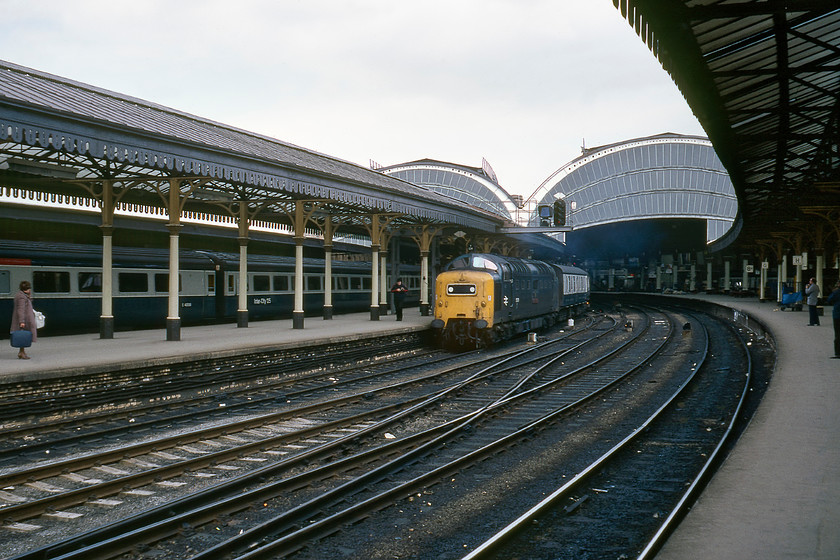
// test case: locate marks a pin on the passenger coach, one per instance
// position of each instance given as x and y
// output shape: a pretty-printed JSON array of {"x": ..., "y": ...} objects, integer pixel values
[{"x": 67, "y": 284}]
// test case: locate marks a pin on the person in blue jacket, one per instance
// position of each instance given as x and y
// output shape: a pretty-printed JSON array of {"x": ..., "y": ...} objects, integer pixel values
[{"x": 834, "y": 299}]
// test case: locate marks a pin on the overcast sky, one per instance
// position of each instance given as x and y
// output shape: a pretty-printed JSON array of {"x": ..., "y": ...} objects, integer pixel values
[{"x": 522, "y": 83}]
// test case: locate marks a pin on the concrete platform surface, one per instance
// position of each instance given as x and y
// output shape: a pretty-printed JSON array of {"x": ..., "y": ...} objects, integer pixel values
[
  {"x": 53, "y": 356},
  {"x": 777, "y": 496}
]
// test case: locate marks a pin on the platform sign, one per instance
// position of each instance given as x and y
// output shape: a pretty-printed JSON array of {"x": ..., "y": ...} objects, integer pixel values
[
  {"x": 765, "y": 265},
  {"x": 796, "y": 260},
  {"x": 750, "y": 269}
]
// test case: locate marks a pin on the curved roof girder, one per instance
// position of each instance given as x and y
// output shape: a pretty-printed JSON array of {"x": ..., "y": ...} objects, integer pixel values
[
  {"x": 761, "y": 77},
  {"x": 60, "y": 125}
]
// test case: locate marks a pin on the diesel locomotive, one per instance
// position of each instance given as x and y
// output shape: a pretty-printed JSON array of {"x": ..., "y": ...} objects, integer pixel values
[{"x": 482, "y": 298}]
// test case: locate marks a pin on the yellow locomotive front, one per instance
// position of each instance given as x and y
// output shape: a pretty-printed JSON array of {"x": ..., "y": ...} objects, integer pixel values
[{"x": 464, "y": 304}]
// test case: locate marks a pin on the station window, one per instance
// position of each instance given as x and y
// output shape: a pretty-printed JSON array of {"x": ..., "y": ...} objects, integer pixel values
[
  {"x": 133, "y": 282},
  {"x": 262, "y": 283},
  {"x": 50, "y": 282},
  {"x": 5, "y": 282},
  {"x": 90, "y": 281}
]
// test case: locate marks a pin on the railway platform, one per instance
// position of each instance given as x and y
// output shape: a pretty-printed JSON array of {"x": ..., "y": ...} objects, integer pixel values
[
  {"x": 57, "y": 356},
  {"x": 777, "y": 495}
]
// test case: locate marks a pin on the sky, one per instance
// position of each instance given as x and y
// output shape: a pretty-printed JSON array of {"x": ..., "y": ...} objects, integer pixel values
[{"x": 521, "y": 83}]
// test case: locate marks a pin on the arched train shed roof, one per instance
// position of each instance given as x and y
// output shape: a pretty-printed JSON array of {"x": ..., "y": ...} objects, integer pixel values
[
  {"x": 471, "y": 185},
  {"x": 663, "y": 176}
]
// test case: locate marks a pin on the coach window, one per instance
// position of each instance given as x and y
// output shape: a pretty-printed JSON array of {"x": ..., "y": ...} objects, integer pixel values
[
  {"x": 133, "y": 282},
  {"x": 356, "y": 283},
  {"x": 5, "y": 282},
  {"x": 211, "y": 284},
  {"x": 281, "y": 283},
  {"x": 340, "y": 283},
  {"x": 90, "y": 281},
  {"x": 313, "y": 283},
  {"x": 366, "y": 283},
  {"x": 51, "y": 282},
  {"x": 162, "y": 282},
  {"x": 231, "y": 283},
  {"x": 262, "y": 283}
]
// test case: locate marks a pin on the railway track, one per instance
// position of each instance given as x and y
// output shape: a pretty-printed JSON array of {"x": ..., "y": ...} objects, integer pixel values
[
  {"x": 42, "y": 489},
  {"x": 654, "y": 472},
  {"x": 335, "y": 467}
]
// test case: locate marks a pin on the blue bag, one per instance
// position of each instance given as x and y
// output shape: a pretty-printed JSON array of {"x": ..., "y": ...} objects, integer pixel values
[{"x": 21, "y": 339}]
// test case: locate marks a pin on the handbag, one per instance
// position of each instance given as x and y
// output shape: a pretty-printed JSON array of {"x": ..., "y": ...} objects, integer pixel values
[
  {"x": 40, "y": 320},
  {"x": 21, "y": 339}
]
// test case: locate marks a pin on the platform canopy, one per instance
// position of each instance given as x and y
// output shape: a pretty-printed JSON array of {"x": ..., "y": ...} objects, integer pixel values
[
  {"x": 763, "y": 78},
  {"x": 62, "y": 137}
]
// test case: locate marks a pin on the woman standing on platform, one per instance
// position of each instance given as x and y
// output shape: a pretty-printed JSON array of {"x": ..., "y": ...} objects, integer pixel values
[
  {"x": 23, "y": 315},
  {"x": 834, "y": 299}
]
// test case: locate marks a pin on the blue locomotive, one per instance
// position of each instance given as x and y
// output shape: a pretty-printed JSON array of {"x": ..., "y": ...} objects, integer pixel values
[{"x": 482, "y": 298}]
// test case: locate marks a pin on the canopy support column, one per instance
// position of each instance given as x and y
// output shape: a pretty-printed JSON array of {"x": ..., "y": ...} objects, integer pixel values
[
  {"x": 424, "y": 237},
  {"x": 173, "y": 318},
  {"x": 329, "y": 230},
  {"x": 106, "y": 319},
  {"x": 242, "y": 305}
]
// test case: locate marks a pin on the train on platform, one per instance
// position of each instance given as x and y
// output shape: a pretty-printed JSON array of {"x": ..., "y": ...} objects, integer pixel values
[
  {"x": 66, "y": 284},
  {"x": 483, "y": 298}
]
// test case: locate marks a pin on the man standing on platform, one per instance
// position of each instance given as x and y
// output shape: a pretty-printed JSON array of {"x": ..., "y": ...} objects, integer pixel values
[
  {"x": 834, "y": 299},
  {"x": 813, "y": 293},
  {"x": 399, "y": 290}
]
